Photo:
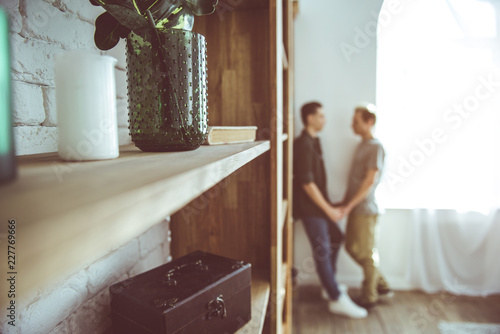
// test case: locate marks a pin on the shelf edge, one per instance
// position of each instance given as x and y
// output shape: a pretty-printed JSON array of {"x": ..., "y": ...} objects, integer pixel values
[
  {"x": 111, "y": 223},
  {"x": 260, "y": 298}
]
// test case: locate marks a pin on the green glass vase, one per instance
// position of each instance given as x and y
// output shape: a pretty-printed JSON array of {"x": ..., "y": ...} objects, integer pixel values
[{"x": 167, "y": 89}]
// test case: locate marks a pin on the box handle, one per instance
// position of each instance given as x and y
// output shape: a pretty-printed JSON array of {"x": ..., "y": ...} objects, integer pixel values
[
  {"x": 168, "y": 277},
  {"x": 217, "y": 308}
]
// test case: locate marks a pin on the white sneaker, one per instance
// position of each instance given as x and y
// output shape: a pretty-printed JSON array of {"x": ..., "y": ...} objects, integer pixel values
[
  {"x": 324, "y": 294},
  {"x": 345, "y": 306}
]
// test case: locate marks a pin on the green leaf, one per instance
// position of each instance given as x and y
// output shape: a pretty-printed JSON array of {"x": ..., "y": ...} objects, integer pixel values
[
  {"x": 108, "y": 31},
  {"x": 202, "y": 7},
  {"x": 171, "y": 14},
  {"x": 163, "y": 10},
  {"x": 182, "y": 18},
  {"x": 132, "y": 13}
]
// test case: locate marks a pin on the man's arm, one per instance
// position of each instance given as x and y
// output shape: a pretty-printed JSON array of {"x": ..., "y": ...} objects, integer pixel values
[
  {"x": 316, "y": 196},
  {"x": 363, "y": 190}
]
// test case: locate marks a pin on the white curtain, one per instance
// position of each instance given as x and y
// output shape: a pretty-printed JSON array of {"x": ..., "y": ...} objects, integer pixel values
[
  {"x": 456, "y": 252},
  {"x": 438, "y": 95}
]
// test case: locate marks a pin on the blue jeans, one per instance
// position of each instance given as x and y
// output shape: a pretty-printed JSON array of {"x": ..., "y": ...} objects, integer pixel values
[{"x": 325, "y": 238}]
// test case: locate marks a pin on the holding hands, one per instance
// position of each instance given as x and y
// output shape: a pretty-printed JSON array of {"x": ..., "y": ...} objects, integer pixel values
[{"x": 336, "y": 213}]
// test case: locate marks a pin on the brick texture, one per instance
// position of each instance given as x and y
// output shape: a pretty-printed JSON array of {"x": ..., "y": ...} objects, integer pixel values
[
  {"x": 112, "y": 267},
  {"x": 46, "y": 22},
  {"x": 27, "y": 111},
  {"x": 35, "y": 139},
  {"x": 39, "y": 30},
  {"x": 38, "y": 317},
  {"x": 11, "y": 7},
  {"x": 81, "y": 303}
]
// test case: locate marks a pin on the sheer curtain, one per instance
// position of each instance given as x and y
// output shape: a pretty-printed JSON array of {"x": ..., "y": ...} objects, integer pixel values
[
  {"x": 456, "y": 252},
  {"x": 438, "y": 94}
]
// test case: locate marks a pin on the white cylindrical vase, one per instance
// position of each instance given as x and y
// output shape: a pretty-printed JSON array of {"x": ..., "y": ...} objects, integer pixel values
[{"x": 86, "y": 106}]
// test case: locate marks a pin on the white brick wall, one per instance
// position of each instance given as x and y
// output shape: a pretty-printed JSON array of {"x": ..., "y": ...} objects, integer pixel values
[
  {"x": 38, "y": 31},
  {"x": 81, "y": 304}
]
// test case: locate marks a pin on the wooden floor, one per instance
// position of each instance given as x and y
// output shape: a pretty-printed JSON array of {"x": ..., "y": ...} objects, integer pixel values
[{"x": 408, "y": 312}]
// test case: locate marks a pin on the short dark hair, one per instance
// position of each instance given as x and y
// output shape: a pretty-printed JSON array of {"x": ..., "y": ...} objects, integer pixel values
[
  {"x": 309, "y": 109},
  {"x": 367, "y": 113}
]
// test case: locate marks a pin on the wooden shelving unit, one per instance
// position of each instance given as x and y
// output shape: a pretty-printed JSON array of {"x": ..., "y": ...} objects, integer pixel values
[
  {"x": 250, "y": 57},
  {"x": 260, "y": 298},
  {"x": 231, "y": 200}
]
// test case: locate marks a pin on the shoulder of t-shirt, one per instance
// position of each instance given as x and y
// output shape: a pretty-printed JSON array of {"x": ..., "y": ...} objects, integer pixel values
[{"x": 374, "y": 142}]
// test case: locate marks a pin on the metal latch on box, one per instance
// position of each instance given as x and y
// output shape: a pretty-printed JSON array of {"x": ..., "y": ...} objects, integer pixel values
[{"x": 217, "y": 308}]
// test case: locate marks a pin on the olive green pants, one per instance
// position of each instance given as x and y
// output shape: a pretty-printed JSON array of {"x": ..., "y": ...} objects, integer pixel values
[{"x": 360, "y": 244}]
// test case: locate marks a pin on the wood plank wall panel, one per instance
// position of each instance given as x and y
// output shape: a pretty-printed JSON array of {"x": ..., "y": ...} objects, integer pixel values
[
  {"x": 238, "y": 68},
  {"x": 247, "y": 4},
  {"x": 231, "y": 219},
  {"x": 242, "y": 91},
  {"x": 238, "y": 5},
  {"x": 235, "y": 222}
]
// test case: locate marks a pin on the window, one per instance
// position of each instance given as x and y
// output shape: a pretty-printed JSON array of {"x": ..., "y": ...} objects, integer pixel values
[{"x": 438, "y": 96}]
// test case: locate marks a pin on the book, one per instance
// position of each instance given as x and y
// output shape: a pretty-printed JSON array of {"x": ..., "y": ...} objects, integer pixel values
[{"x": 218, "y": 135}]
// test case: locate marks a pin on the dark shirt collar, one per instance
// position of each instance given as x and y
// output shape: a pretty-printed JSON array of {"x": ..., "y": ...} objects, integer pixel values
[
  {"x": 307, "y": 135},
  {"x": 315, "y": 141}
]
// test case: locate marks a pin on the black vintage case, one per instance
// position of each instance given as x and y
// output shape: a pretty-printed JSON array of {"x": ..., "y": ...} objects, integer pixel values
[{"x": 200, "y": 293}]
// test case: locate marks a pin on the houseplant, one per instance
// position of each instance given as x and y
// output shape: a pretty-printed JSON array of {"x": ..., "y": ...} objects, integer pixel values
[{"x": 166, "y": 68}]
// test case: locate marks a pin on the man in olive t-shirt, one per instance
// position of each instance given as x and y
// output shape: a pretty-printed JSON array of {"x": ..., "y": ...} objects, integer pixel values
[{"x": 360, "y": 205}]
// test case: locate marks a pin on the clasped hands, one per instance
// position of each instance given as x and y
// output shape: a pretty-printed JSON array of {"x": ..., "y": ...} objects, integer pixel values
[{"x": 336, "y": 212}]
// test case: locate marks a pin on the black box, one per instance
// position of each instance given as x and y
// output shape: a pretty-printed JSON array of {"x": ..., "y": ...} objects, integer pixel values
[{"x": 194, "y": 294}]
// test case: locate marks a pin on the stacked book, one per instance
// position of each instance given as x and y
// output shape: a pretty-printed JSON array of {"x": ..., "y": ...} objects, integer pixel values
[{"x": 218, "y": 135}]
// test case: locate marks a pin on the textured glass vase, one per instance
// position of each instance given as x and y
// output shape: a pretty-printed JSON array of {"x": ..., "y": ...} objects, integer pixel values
[{"x": 167, "y": 90}]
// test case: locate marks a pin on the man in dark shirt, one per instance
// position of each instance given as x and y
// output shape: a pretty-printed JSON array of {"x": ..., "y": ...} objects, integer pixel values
[{"x": 317, "y": 214}]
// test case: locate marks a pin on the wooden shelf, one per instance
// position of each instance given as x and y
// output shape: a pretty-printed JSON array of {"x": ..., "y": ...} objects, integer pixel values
[
  {"x": 69, "y": 214},
  {"x": 284, "y": 137},
  {"x": 282, "y": 291},
  {"x": 295, "y": 8},
  {"x": 260, "y": 298},
  {"x": 284, "y": 214},
  {"x": 284, "y": 57},
  {"x": 284, "y": 270}
]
